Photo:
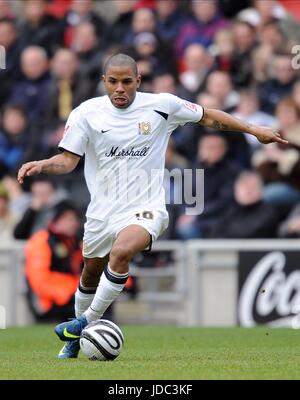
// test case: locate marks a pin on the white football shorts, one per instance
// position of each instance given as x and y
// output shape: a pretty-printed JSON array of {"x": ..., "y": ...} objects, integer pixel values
[{"x": 99, "y": 236}]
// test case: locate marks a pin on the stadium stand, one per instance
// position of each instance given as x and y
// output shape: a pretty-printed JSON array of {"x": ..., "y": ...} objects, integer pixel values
[{"x": 235, "y": 56}]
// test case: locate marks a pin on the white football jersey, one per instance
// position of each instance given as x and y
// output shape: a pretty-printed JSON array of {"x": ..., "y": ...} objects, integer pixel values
[{"x": 125, "y": 149}]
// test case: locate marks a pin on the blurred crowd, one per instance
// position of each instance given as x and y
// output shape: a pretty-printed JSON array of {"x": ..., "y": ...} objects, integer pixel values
[{"x": 224, "y": 54}]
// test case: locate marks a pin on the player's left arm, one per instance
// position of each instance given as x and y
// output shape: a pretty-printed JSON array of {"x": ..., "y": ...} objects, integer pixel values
[{"x": 221, "y": 120}]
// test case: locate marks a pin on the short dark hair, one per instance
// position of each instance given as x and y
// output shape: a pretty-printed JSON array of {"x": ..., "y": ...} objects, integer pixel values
[
  {"x": 212, "y": 133},
  {"x": 120, "y": 60},
  {"x": 43, "y": 178},
  {"x": 245, "y": 23},
  {"x": 15, "y": 107},
  {"x": 6, "y": 20},
  {"x": 246, "y": 174},
  {"x": 62, "y": 207},
  {"x": 282, "y": 53}
]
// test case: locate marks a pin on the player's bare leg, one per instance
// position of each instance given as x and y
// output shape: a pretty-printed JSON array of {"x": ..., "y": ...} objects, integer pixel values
[
  {"x": 90, "y": 277},
  {"x": 93, "y": 268},
  {"x": 130, "y": 241}
]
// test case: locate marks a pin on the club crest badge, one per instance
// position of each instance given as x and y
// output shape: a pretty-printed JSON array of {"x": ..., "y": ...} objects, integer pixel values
[{"x": 144, "y": 128}]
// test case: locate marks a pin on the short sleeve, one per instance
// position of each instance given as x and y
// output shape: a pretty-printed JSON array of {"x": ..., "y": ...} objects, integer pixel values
[
  {"x": 182, "y": 111},
  {"x": 75, "y": 135}
]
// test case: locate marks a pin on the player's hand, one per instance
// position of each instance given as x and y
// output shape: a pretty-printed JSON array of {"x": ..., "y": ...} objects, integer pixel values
[
  {"x": 29, "y": 169},
  {"x": 267, "y": 135}
]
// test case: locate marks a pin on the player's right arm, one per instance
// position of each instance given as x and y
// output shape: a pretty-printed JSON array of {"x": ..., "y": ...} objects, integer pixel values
[{"x": 60, "y": 164}]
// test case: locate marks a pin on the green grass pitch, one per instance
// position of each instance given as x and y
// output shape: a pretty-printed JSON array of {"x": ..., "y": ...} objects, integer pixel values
[{"x": 158, "y": 352}]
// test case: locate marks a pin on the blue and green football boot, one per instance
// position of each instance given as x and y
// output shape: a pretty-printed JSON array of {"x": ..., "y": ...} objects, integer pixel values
[
  {"x": 70, "y": 350},
  {"x": 71, "y": 330}
]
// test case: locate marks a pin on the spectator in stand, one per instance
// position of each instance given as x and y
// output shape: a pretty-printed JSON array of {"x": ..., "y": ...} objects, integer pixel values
[
  {"x": 231, "y": 8},
  {"x": 58, "y": 8},
  {"x": 144, "y": 22},
  {"x": 32, "y": 90},
  {"x": 262, "y": 13},
  {"x": 217, "y": 188},
  {"x": 72, "y": 183},
  {"x": 146, "y": 70},
  {"x": 288, "y": 120},
  {"x": 261, "y": 56},
  {"x": 81, "y": 11},
  {"x": 89, "y": 50},
  {"x": 18, "y": 140},
  {"x": 271, "y": 35},
  {"x": 170, "y": 19},
  {"x": 187, "y": 137},
  {"x": 44, "y": 197},
  {"x": 19, "y": 200},
  {"x": 148, "y": 50},
  {"x": 6, "y": 11},
  {"x": 222, "y": 49},
  {"x": 173, "y": 185},
  {"x": 279, "y": 166},
  {"x": 290, "y": 227},
  {"x": 197, "y": 62},
  {"x": 201, "y": 27},
  {"x": 12, "y": 139},
  {"x": 67, "y": 89},
  {"x": 7, "y": 218},
  {"x": 219, "y": 85},
  {"x": 279, "y": 83},
  {"x": 51, "y": 137},
  {"x": 249, "y": 217},
  {"x": 248, "y": 110},
  {"x": 53, "y": 263},
  {"x": 296, "y": 94},
  {"x": 145, "y": 4},
  {"x": 167, "y": 83},
  {"x": 164, "y": 83},
  {"x": 122, "y": 24},
  {"x": 244, "y": 36},
  {"x": 151, "y": 31},
  {"x": 208, "y": 100},
  {"x": 38, "y": 28},
  {"x": 271, "y": 40},
  {"x": 11, "y": 72}
]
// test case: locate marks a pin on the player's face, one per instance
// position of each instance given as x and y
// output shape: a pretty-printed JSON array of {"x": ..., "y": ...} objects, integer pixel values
[{"x": 121, "y": 85}]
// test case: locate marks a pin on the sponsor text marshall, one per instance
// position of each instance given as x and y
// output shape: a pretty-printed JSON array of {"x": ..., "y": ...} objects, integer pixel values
[{"x": 132, "y": 152}]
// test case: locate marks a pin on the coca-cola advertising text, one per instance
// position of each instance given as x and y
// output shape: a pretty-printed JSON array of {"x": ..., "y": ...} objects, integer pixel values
[{"x": 269, "y": 288}]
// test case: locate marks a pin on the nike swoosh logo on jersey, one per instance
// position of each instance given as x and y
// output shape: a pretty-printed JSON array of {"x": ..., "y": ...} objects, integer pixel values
[{"x": 104, "y": 131}]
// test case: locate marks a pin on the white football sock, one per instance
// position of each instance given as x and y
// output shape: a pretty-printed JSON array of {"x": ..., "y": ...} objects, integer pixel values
[
  {"x": 110, "y": 286},
  {"x": 83, "y": 299}
]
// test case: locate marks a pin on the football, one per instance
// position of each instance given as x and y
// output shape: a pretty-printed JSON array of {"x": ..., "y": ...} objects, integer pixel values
[{"x": 101, "y": 340}]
